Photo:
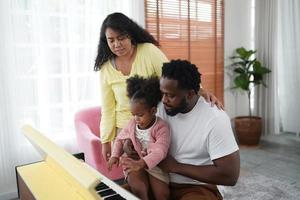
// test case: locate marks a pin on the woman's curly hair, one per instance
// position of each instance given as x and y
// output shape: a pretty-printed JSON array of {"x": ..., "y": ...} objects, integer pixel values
[
  {"x": 146, "y": 89},
  {"x": 124, "y": 25}
]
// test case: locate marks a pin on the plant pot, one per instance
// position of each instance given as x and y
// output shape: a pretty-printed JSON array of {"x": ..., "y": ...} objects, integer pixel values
[{"x": 248, "y": 129}]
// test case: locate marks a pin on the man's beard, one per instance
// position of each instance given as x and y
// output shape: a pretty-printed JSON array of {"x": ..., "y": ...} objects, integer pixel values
[{"x": 180, "y": 109}]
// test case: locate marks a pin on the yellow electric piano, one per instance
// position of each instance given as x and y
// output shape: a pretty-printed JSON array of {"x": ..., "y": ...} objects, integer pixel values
[{"x": 61, "y": 176}]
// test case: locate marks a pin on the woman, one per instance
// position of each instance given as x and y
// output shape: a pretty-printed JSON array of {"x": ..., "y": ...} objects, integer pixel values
[{"x": 125, "y": 49}]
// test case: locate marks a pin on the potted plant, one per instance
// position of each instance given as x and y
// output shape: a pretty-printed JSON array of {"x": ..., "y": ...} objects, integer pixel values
[{"x": 248, "y": 72}]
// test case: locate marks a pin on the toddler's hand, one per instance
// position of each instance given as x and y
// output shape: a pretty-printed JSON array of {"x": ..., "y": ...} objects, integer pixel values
[{"x": 112, "y": 161}]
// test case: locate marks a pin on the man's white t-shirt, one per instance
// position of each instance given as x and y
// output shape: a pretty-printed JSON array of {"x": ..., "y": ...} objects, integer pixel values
[{"x": 199, "y": 136}]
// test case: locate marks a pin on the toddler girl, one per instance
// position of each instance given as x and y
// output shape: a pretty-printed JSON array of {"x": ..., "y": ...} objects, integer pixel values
[{"x": 150, "y": 137}]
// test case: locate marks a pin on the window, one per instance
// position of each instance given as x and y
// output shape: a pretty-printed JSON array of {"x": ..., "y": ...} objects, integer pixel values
[
  {"x": 55, "y": 45},
  {"x": 47, "y": 57},
  {"x": 192, "y": 30}
]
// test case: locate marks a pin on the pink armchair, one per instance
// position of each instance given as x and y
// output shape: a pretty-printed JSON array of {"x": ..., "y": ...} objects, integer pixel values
[{"x": 87, "y": 129}]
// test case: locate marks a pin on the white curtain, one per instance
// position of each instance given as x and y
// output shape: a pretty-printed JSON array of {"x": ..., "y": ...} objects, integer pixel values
[
  {"x": 266, "y": 43},
  {"x": 289, "y": 65},
  {"x": 47, "y": 52},
  {"x": 278, "y": 45}
]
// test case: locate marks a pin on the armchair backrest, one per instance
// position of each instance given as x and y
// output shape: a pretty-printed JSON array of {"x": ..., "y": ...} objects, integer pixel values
[
  {"x": 91, "y": 117},
  {"x": 87, "y": 123}
]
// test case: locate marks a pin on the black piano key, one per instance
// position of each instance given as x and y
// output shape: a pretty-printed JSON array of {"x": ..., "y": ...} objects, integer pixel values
[
  {"x": 114, "y": 197},
  {"x": 105, "y": 193},
  {"x": 101, "y": 186}
]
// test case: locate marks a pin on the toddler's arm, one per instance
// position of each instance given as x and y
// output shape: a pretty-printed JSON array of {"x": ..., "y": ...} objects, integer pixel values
[{"x": 112, "y": 161}]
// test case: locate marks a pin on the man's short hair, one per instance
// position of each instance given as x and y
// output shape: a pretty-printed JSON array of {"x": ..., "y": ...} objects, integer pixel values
[{"x": 184, "y": 72}]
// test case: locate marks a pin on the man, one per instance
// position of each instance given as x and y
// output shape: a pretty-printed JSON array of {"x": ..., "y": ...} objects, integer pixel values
[{"x": 203, "y": 151}]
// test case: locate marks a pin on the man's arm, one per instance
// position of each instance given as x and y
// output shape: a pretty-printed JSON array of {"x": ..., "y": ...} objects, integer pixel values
[{"x": 224, "y": 171}]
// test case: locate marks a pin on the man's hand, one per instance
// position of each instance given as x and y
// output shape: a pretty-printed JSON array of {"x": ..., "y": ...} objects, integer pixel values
[
  {"x": 144, "y": 152},
  {"x": 209, "y": 97},
  {"x": 112, "y": 161},
  {"x": 128, "y": 148},
  {"x": 223, "y": 171},
  {"x": 168, "y": 164},
  {"x": 130, "y": 165},
  {"x": 106, "y": 150}
]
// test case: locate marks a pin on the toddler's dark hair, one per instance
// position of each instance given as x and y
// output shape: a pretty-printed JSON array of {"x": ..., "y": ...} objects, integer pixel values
[{"x": 146, "y": 89}]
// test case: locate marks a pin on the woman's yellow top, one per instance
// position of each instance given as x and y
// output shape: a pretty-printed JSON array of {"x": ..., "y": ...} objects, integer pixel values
[{"x": 115, "y": 111}]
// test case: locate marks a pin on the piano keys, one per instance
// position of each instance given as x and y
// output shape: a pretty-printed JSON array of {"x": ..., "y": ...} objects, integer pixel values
[{"x": 61, "y": 176}]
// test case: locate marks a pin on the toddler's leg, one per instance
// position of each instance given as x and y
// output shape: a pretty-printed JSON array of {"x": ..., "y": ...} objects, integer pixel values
[
  {"x": 159, "y": 188},
  {"x": 139, "y": 184}
]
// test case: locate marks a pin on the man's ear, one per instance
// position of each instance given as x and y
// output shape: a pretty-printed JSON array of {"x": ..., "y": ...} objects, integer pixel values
[
  {"x": 153, "y": 110},
  {"x": 190, "y": 94}
]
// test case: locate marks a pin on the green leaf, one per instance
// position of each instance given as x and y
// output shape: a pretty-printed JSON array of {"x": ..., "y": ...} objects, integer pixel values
[
  {"x": 244, "y": 54},
  {"x": 235, "y": 57},
  {"x": 240, "y": 63},
  {"x": 241, "y": 51},
  {"x": 259, "y": 69},
  {"x": 247, "y": 69},
  {"x": 239, "y": 70},
  {"x": 242, "y": 82},
  {"x": 265, "y": 70}
]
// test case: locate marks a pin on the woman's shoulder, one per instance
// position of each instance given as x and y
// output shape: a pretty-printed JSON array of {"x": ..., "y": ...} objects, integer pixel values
[
  {"x": 149, "y": 50},
  {"x": 107, "y": 70},
  {"x": 147, "y": 47},
  {"x": 105, "y": 66}
]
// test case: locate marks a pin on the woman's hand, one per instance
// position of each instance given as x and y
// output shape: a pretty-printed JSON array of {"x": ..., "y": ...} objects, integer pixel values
[
  {"x": 106, "y": 150},
  {"x": 209, "y": 97},
  {"x": 112, "y": 161}
]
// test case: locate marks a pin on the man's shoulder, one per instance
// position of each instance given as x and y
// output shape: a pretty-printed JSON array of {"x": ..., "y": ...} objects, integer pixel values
[
  {"x": 201, "y": 111},
  {"x": 208, "y": 110}
]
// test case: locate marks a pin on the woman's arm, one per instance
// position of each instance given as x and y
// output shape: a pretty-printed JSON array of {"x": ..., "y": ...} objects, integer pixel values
[{"x": 107, "y": 123}]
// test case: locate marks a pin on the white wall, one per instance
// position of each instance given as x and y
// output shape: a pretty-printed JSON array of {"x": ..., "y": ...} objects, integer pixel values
[{"x": 238, "y": 32}]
